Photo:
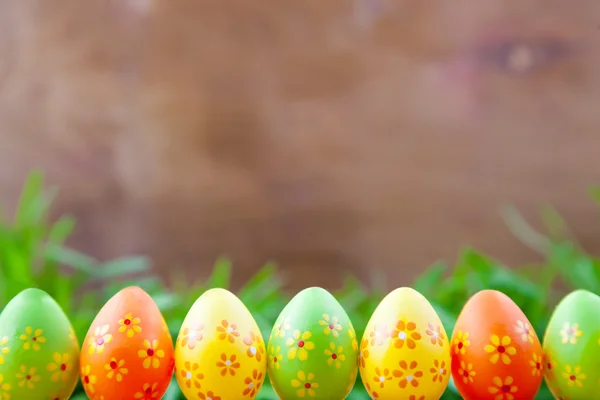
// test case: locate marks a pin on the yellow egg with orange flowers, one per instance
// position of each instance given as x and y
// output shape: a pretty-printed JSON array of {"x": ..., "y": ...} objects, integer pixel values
[
  {"x": 405, "y": 352},
  {"x": 128, "y": 351},
  {"x": 220, "y": 352}
]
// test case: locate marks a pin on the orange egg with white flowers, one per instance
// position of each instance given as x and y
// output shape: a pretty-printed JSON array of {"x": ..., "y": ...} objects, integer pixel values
[
  {"x": 496, "y": 354},
  {"x": 128, "y": 351}
]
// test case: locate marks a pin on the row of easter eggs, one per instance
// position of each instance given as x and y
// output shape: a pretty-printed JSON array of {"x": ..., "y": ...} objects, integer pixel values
[{"x": 313, "y": 351}]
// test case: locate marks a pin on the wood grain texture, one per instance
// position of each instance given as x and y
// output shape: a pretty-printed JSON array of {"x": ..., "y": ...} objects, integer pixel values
[{"x": 328, "y": 136}]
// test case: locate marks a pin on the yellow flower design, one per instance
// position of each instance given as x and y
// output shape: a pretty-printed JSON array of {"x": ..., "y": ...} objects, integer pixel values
[
  {"x": 88, "y": 379},
  {"x": 335, "y": 355},
  {"x": 32, "y": 339},
  {"x": 253, "y": 384},
  {"x": 436, "y": 334},
  {"x": 255, "y": 346},
  {"x": 299, "y": 345},
  {"x": 379, "y": 335},
  {"x": 192, "y": 336},
  {"x": 331, "y": 324},
  {"x": 466, "y": 372},
  {"x": 550, "y": 367},
  {"x": 100, "y": 339},
  {"x": 537, "y": 364},
  {"x": 275, "y": 357},
  {"x": 148, "y": 392},
  {"x": 405, "y": 332},
  {"x": 305, "y": 384},
  {"x": 570, "y": 333},
  {"x": 282, "y": 327},
  {"x": 408, "y": 373},
  {"x": 130, "y": 325},
  {"x": 381, "y": 376},
  {"x": 350, "y": 385},
  {"x": 27, "y": 377},
  {"x": 72, "y": 336},
  {"x": 500, "y": 349},
  {"x": 208, "y": 396},
  {"x": 364, "y": 352},
  {"x": 503, "y": 390},
  {"x": 574, "y": 376},
  {"x": 4, "y": 389},
  {"x": 374, "y": 394},
  {"x": 151, "y": 354},
  {"x": 116, "y": 369},
  {"x": 438, "y": 370},
  {"x": 191, "y": 376},
  {"x": 524, "y": 331},
  {"x": 227, "y": 331},
  {"x": 60, "y": 368},
  {"x": 461, "y": 342},
  {"x": 352, "y": 335},
  {"x": 4, "y": 349},
  {"x": 60, "y": 395},
  {"x": 228, "y": 365}
]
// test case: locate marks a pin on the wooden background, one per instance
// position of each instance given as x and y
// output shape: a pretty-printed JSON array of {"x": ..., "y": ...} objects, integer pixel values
[{"x": 331, "y": 136}]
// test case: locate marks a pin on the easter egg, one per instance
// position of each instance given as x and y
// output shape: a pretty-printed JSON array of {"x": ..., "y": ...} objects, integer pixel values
[
  {"x": 127, "y": 352},
  {"x": 572, "y": 347},
  {"x": 405, "y": 352},
  {"x": 220, "y": 352},
  {"x": 496, "y": 353},
  {"x": 313, "y": 351},
  {"x": 39, "y": 354}
]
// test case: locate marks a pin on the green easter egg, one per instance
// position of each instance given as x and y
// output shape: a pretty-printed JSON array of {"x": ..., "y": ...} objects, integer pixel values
[
  {"x": 313, "y": 351},
  {"x": 572, "y": 347},
  {"x": 39, "y": 353}
]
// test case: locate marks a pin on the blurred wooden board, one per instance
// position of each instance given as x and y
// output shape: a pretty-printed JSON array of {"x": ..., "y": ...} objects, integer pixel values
[{"x": 329, "y": 136}]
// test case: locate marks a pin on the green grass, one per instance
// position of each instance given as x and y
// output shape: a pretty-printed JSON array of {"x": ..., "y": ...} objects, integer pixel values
[{"x": 33, "y": 254}]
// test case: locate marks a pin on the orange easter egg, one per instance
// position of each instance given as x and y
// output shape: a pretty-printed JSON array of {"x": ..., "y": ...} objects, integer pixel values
[
  {"x": 495, "y": 352},
  {"x": 128, "y": 351}
]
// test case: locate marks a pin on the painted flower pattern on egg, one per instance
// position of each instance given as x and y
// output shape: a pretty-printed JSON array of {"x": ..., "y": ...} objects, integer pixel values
[
  {"x": 405, "y": 352},
  {"x": 313, "y": 349},
  {"x": 220, "y": 352},
  {"x": 495, "y": 351},
  {"x": 127, "y": 353},
  {"x": 571, "y": 347},
  {"x": 39, "y": 355}
]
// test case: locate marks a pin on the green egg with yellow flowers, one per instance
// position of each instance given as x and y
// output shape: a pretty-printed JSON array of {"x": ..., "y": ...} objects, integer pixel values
[{"x": 39, "y": 352}]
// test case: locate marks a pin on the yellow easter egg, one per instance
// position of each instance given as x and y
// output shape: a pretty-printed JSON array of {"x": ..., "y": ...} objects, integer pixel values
[
  {"x": 405, "y": 352},
  {"x": 220, "y": 352}
]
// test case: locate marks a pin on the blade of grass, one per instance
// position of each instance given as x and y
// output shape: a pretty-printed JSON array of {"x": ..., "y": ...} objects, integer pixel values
[
  {"x": 595, "y": 194},
  {"x": 523, "y": 231},
  {"x": 260, "y": 285},
  {"x": 69, "y": 257},
  {"x": 555, "y": 224},
  {"x": 18, "y": 266},
  {"x": 427, "y": 282},
  {"x": 32, "y": 191},
  {"x": 221, "y": 275},
  {"x": 122, "y": 267},
  {"x": 352, "y": 294},
  {"x": 577, "y": 269},
  {"x": 61, "y": 230}
]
